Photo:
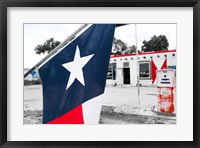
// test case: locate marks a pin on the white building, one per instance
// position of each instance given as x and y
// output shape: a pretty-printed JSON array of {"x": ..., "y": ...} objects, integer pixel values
[{"x": 123, "y": 68}]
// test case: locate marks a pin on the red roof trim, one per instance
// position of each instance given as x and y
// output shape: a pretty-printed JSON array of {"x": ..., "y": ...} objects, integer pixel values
[{"x": 144, "y": 53}]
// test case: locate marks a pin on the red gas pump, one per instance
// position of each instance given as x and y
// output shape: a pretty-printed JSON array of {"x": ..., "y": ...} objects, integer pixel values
[{"x": 166, "y": 87}]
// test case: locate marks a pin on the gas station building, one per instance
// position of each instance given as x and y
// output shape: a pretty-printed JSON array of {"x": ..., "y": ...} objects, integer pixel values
[{"x": 123, "y": 68}]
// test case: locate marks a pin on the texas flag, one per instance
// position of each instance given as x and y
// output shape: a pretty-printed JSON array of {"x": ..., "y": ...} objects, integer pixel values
[{"x": 76, "y": 75}]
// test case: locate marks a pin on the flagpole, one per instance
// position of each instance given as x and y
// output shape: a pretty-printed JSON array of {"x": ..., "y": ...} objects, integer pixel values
[
  {"x": 56, "y": 50},
  {"x": 137, "y": 63}
]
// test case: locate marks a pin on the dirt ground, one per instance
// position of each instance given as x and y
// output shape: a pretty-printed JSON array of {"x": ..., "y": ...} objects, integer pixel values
[
  {"x": 108, "y": 116},
  {"x": 119, "y": 105}
]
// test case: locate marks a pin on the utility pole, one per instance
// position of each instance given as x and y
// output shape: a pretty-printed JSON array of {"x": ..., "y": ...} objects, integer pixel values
[{"x": 137, "y": 63}]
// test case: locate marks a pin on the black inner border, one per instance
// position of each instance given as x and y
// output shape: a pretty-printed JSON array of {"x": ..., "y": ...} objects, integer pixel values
[{"x": 4, "y": 4}]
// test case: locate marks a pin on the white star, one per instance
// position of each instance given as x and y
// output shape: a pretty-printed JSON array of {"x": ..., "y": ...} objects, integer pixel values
[{"x": 75, "y": 68}]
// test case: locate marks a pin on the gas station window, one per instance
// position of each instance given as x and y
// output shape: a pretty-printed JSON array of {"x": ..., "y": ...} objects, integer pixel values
[
  {"x": 144, "y": 70},
  {"x": 111, "y": 71}
]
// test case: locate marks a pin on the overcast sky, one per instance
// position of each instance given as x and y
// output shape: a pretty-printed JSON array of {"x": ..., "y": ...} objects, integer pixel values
[{"x": 35, "y": 34}]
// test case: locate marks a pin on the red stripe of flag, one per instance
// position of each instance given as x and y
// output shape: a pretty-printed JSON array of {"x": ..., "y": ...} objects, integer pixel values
[{"x": 74, "y": 116}]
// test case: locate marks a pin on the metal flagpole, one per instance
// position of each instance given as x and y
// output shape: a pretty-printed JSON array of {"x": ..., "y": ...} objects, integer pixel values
[
  {"x": 137, "y": 63},
  {"x": 56, "y": 50}
]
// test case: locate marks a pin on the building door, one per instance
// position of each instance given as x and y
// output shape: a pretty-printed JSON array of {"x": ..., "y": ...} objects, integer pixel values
[{"x": 126, "y": 72}]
